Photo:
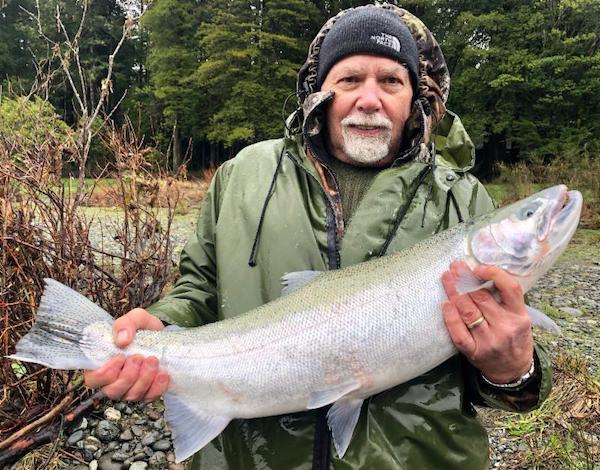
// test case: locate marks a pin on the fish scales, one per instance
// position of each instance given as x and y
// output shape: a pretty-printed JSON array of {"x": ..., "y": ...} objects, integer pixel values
[{"x": 356, "y": 323}]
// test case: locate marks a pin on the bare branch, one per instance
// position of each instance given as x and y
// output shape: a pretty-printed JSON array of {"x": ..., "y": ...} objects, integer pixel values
[
  {"x": 115, "y": 107},
  {"x": 48, "y": 417}
]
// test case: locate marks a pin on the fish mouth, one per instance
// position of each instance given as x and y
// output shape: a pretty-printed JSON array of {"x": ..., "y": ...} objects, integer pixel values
[{"x": 566, "y": 215}]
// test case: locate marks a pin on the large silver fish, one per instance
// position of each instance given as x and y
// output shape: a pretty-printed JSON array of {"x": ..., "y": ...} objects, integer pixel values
[{"x": 334, "y": 338}]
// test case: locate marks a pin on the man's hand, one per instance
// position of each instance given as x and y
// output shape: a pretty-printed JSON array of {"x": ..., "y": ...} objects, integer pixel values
[
  {"x": 495, "y": 337},
  {"x": 134, "y": 378}
]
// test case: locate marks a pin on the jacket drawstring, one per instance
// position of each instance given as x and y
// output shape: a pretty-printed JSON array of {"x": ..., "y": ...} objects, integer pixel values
[
  {"x": 461, "y": 219},
  {"x": 402, "y": 212},
  {"x": 253, "y": 253},
  {"x": 430, "y": 190}
]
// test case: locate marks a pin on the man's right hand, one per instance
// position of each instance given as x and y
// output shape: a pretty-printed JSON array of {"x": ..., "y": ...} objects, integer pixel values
[{"x": 136, "y": 377}]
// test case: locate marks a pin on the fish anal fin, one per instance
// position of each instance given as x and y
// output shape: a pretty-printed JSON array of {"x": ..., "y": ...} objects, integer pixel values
[
  {"x": 331, "y": 394},
  {"x": 541, "y": 320},
  {"x": 295, "y": 280},
  {"x": 191, "y": 428},
  {"x": 342, "y": 418}
]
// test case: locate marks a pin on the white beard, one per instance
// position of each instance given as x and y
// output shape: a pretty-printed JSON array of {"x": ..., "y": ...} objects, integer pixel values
[{"x": 366, "y": 150}]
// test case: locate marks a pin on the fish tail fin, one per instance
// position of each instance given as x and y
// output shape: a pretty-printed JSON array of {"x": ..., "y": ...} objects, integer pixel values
[{"x": 61, "y": 336}]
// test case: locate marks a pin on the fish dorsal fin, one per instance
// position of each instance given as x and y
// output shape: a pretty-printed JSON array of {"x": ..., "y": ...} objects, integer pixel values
[
  {"x": 325, "y": 397},
  {"x": 342, "y": 418},
  {"x": 192, "y": 429},
  {"x": 295, "y": 280}
]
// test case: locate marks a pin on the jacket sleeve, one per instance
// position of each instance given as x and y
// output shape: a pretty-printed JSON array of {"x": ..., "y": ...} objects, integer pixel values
[
  {"x": 193, "y": 301},
  {"x": 536, "y": 390}
]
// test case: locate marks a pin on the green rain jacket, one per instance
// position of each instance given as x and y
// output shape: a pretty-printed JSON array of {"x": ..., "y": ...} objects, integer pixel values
[{"x": 273, "y": 209}]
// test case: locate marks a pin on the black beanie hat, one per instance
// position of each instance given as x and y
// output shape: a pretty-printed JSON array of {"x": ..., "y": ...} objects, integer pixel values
[{"x": 369, "y": 30}]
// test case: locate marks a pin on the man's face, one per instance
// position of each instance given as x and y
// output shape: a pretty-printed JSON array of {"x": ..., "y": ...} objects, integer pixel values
[{"x": 373, "y": 98}]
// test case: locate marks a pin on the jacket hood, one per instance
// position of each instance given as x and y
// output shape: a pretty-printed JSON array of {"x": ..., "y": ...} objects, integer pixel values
[{"x": 428, "y": 107}]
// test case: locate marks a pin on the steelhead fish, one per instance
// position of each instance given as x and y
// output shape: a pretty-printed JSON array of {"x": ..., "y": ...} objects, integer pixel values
[{"x": 335, "y": 337}]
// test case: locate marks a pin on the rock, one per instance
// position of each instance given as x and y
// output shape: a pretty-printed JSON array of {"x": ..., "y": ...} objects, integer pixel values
[
  {"x": 137, "y": 430},
  {"x": 112, "y": 414},
  {"x": 153, "y": 414},
  {"x": 150, "y": 438},
  {"x": 92, "y": 441},
  {"x": 91, "y": 449},
  {"x": 74, "y": 438},
  {"x": 86, "y": 455},
  {"x": 107, "y": 431},
  {"x": 120, "y": 405},
  {"x": 120, "y": 456},
  {"x": 138, "y": 466},
  {"x": 574, "y": 312},
  {"x": 112, "y": 445},
  {"x": 79, "y": 424},
  {"x": 93, "y": 465},
  {"x": 158, "y": 459},
  {"x": 126, "y": 435},
  {"x": 163, "y": 444},
  {"x": 159, "y": 424},
  {"x": 106, "y": 463}
]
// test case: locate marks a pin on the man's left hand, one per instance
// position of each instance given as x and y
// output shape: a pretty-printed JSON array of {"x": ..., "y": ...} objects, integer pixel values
[{"x": 495, "y": 337}]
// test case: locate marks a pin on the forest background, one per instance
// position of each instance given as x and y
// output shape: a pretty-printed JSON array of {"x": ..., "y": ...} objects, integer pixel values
[
  {"x": 105, "y": 105},
  {"x": 201, "y": 79}
]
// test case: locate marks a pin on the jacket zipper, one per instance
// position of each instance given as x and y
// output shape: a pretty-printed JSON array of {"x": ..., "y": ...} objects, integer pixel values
[{"x": 333, "y": 253}]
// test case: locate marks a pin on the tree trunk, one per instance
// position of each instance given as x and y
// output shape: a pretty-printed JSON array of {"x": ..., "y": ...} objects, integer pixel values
[{"x": 176, "y": 148}]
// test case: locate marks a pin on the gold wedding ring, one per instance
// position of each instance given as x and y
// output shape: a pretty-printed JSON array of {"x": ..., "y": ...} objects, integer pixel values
[{"x": 477, "y": 322}]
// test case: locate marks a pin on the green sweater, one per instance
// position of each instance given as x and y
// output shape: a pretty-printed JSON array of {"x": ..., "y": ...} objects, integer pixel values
[{"x": 353, "y": 182}]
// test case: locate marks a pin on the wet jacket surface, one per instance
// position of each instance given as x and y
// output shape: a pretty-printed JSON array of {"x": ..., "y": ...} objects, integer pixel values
[{"x": 428, "y": 422}]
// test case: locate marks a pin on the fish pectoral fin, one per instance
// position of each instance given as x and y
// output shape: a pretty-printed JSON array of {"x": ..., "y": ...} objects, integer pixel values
[
  {"x": 331, "y": 394},
  {"x": 541, "y": 320},
  {"x": 342, "y": 419},
  {"x": 467, "y": 282},
  {"x": 191, "y": 428},
  {"x": 295, "y": 280}
]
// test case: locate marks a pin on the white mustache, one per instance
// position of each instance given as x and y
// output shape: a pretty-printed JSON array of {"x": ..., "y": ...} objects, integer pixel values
[{"x": 371, "y": 120}]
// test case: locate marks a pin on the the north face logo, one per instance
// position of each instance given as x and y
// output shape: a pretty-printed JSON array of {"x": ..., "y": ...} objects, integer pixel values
[{"x": 387, "y": 40}]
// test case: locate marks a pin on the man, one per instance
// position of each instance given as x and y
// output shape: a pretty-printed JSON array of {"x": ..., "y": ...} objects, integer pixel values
[{"x": 371, "y": 163}]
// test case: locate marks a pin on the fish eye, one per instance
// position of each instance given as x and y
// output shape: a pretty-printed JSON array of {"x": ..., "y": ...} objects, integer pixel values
[{"x": 527, "y": 212}]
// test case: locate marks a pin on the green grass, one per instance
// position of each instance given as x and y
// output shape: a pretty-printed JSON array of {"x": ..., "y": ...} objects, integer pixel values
[
  {"x": 71, "y": 184},
  {"x": 504, "y": 191}
]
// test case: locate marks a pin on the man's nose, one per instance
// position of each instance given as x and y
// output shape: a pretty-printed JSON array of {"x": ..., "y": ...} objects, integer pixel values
[{"x": 369, "y": 100}]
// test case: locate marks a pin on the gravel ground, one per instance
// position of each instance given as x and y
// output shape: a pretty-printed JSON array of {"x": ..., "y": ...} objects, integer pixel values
[
  {"x": 570, "y": 292},
  {"x": 123, "y": 436}
]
